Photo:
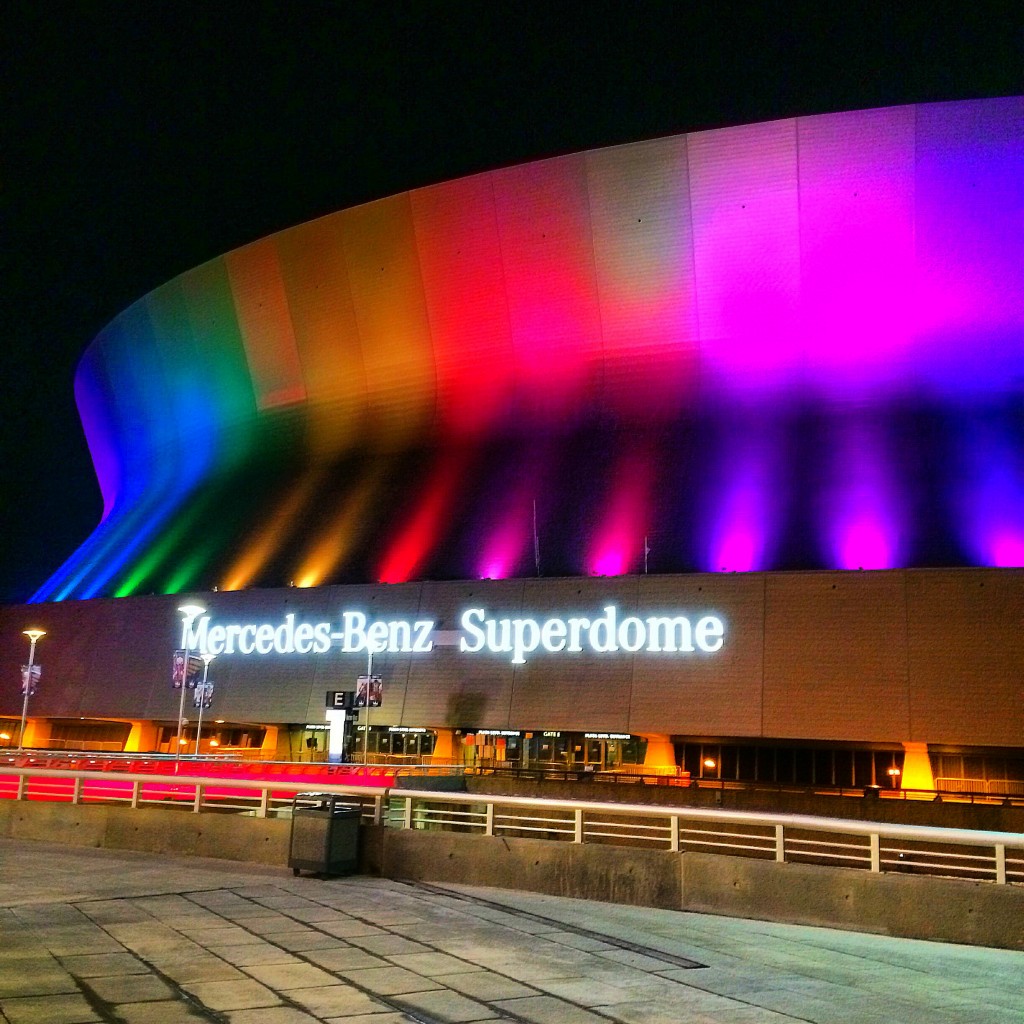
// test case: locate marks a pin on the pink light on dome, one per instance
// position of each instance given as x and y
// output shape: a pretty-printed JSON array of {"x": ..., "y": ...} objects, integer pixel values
[
  {"x": 863, "y": 519},
  {"x": 620, "y": 536},
  {"x": 990, "y": 497}
]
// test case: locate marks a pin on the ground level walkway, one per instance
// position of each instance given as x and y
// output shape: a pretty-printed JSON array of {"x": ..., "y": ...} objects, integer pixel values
[{"x": 95, "y": 935}]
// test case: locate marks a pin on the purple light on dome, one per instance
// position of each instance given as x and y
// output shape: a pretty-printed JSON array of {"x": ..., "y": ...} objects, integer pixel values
[
  {"x": 863, "y": 510},
  {"x": 990, "y": 501},
  {"x": 739, "y": 540},
  {"x": 504, "y": 548},
  {"x": 742, "y": 513},
  {"x": 864, "y": 543}
]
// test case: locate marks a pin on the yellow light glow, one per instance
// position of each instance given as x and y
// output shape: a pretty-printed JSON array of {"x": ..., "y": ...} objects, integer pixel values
[
  {"x": 710, "y": 762},
  {"x": 262, "y": 545},
  {"x": 5, "y": 735},
  {"x": 214, "y": 743},
  {"x": 34, "y": 634},
  {"x": 338, "y": 539}
]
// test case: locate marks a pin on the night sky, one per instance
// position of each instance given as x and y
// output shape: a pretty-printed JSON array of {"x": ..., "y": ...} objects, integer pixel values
[{"x": 141, "y": 139}]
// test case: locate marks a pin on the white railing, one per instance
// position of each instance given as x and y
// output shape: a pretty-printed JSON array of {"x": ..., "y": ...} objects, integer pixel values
[
  {"x": 263, "y": 799},
  {"x": 785, "y": 838}
]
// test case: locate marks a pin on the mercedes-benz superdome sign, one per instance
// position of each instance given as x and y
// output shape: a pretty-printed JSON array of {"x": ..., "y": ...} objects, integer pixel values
[{"x": 605, "y": 632}]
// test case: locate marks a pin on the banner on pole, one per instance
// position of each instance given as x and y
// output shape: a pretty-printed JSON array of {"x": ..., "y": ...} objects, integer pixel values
[
  {"x": 179, "y": 673},
  {"x": 202, "y": 696},
  {"x": 369, "y": 692},
  {"x": 26, "y": 683}
]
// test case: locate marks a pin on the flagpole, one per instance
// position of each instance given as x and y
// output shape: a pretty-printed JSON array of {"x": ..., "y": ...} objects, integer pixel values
[{"x": 536, "y": 539}]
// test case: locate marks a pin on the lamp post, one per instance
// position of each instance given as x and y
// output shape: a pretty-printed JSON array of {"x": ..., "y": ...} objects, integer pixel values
[
  {"x": 189, "y": 613},
  {"x": 207, "y": 658},
  {"x": 33, "y": 636}
]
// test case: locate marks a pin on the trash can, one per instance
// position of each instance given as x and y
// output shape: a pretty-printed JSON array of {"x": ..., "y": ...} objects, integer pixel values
[{"x": 325, "y": 835}]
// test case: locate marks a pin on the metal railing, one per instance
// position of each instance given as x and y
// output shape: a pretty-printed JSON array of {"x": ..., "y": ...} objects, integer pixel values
[
  {"x": 268, "y": 798},
  {"x": 873, "y": 846},
  {"x": 784, "y": 838}
]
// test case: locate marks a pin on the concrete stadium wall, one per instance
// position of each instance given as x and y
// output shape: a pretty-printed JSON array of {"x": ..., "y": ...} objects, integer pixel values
[{"x": 947, "y": 910}]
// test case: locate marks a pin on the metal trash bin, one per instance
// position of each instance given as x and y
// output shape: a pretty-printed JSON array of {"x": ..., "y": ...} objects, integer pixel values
[{"x": 325, "y": 835}]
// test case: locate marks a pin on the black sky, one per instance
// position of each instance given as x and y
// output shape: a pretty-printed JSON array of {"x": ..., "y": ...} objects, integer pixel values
[{"x": 141, "y": 138}]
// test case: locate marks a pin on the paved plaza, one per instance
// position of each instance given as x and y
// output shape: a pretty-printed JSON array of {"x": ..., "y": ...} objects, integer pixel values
[{"x": 95, "y": 935}]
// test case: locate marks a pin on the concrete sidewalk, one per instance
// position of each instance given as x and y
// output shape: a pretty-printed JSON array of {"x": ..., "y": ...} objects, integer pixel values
[{"x": 96, "y": 935}]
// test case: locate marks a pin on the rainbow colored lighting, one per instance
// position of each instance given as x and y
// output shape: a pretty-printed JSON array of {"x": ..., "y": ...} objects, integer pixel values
[{"x": 715, "y": 338}]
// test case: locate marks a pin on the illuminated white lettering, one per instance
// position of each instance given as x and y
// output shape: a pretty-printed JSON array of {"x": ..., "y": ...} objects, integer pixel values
[
  {"x": 519, "y": 637},
  {"x": 264, "y": 638},
  {"x": 710, "y": 633},
  {"x": 602, "y": 632},
  {"x": 423, "y": 643},
  {"x": 284, "y": 635},
  {"x": 470, "y": 617},
  {"x": 215, "y": 640},
  {"x": 399, "y": 637},
  {"x": 303, "y": 638},
  {"x": 377, "y": 637},
  {"x": 670, "y": 635},
  {"x": 493, "y": 644},
  {"x": 194, "y": 639},
  {"x": 354, "y": 628},
  {"x": 552, "y": 635},
  {"x": 638, "y": 630},
  {"x": 321, "y": 638},
  {"x": 247, "y": 646},
  {"x": 576, "y": 626},
  {"x": 525, "y": 638}
]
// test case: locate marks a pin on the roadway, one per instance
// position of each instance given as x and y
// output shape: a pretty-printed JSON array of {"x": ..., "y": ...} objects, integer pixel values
[{"x": 98, "y": 935}]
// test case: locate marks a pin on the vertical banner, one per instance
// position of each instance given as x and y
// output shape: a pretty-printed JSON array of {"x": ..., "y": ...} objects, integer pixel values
[
  {"x": 179, "y": 673},
  {"x": 27, "y": 684},
  {"x": 202, "y": 697},
  {"x": 369, "y": 692}
]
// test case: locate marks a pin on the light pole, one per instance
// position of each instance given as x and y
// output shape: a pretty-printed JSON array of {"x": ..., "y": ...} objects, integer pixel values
[
  {"x": 189, "y": 613},
  {"x": 366, "y": 724},
  {"x": 207, "y": 658},
  {"x": 33, "y": 635}
]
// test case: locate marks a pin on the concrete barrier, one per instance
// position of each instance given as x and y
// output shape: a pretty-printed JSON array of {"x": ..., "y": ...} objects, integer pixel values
[
  {"x": 948, "y": 910},
  {"x": 151, "y": 830}
]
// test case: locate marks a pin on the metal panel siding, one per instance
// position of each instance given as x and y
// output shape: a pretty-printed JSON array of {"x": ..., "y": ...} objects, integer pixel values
[
  {"x": 926, "y": 655},
  {"x": 835, "y": 656},
  {"x": 966, "y": 651},
  {"x": 574, "y": 691},
  {"x": 451, "y": 690},
  {"x": 701, "y": 694},
  {"x": 326, "y": 333}
]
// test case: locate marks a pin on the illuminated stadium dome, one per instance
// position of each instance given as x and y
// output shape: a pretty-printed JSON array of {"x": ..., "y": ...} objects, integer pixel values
[{"x": 789, "y": 345}]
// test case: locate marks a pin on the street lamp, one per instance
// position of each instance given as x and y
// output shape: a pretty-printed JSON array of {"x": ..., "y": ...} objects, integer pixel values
[
  {"x": 207, "y": 658},
  {"x": 33, "y": 635},
  {"x": 189, "y": 614}
]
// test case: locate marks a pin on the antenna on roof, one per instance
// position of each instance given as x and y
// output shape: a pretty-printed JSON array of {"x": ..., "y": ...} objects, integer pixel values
[{"x": 536, "y": 539}]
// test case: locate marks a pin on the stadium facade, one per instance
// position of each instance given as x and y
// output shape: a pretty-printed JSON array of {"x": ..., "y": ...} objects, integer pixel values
[{"x": 725, "y": 429}]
